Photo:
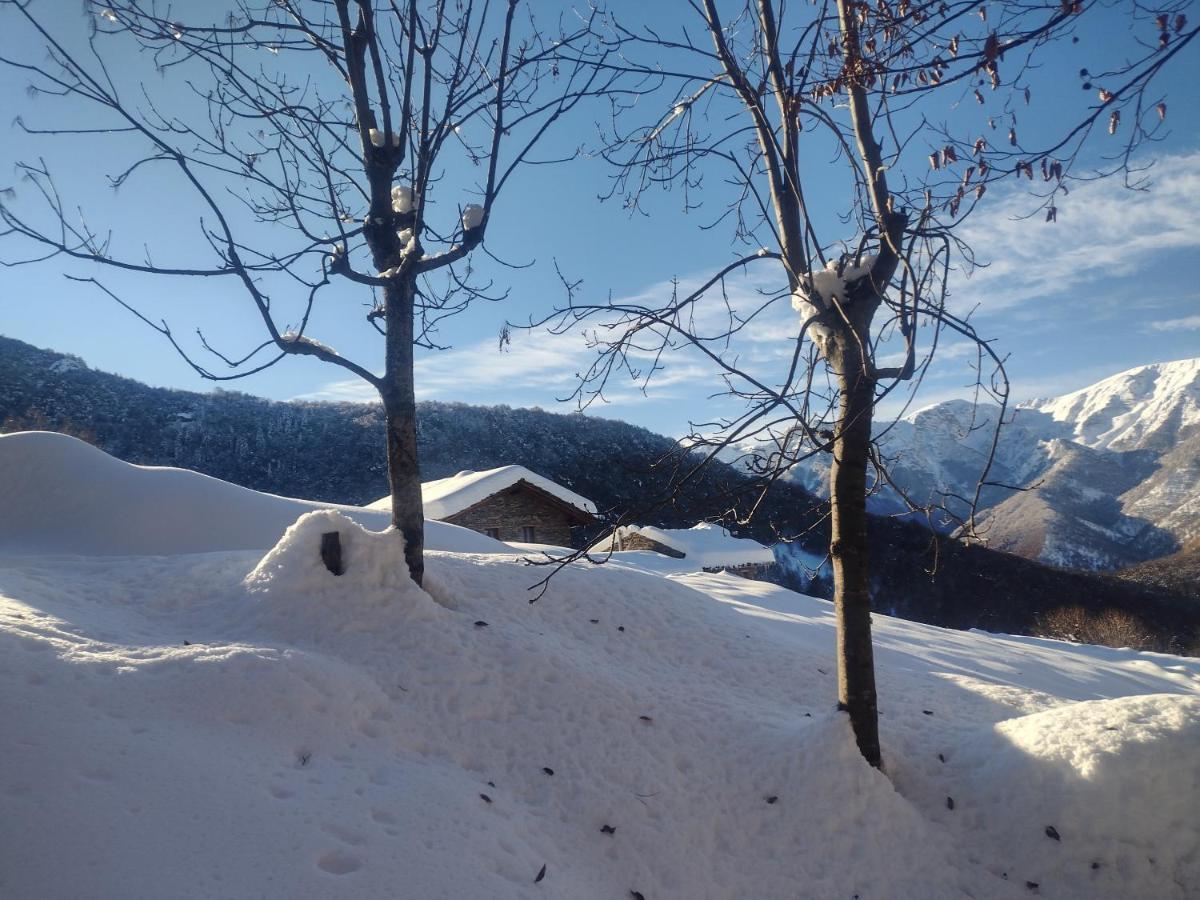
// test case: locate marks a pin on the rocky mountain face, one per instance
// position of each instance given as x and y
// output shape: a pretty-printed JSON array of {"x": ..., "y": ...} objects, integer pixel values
[
  {"x": 1117, "y": 473},
  {"x": 1105, "y": 477},
  {"x": 334, "y": 452}
]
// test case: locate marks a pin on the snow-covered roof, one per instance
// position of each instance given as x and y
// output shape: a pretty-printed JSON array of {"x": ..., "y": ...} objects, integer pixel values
[
  {"x": 705, "y": 545},
  {"x": 447, "y": 496}
]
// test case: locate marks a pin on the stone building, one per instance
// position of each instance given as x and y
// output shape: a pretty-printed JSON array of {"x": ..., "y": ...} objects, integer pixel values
[
  {"x": 707, "y": 547},
  {"x": 511, "y": 504}
]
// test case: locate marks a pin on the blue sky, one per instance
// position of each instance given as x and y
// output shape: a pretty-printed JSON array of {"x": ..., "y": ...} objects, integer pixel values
[{"x": 1111, "y": 285}]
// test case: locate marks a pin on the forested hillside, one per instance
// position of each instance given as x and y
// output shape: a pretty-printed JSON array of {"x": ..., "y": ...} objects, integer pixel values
[{"x": 334, "y": 452}]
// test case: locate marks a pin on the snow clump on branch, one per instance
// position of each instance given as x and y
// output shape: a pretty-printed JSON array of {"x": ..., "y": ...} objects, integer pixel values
[
  {"x": 378, "y": 138},
  {"x": 294, "y": 337},
  {"x": 402, "y": 199},
  {"x": 828, "y": 285},
  {"x": 472, "y": 216}
]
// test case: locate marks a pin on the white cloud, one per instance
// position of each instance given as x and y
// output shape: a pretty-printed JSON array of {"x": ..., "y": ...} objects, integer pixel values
[
  {"x": 545, "y": 365},
  {"x": 350, "y": 390},
  {"x": 1187, "y": 323},
  {"x": 539, "y": 367},
  {"x": 1104, "y": 230}
]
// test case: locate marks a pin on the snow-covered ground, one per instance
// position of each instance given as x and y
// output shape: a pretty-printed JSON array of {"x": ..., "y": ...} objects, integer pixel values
[{"x": 242, "y": 723}]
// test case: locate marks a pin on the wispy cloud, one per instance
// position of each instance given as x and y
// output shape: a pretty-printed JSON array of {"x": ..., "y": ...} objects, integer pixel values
[
  {"x": 539, "y": 367},
  {"x": 1187, "y": 323},
  {"x": 536, "y": 368},
  {"x": 351, "y": 390},
  {"x": 542, "y": 365},
  {"x": 1104, "y": 230}
]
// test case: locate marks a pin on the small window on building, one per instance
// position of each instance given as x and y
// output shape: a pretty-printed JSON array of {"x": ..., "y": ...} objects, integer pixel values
[
  {"x": 528, "y": 534},
  {"x": 492, "y": 533}
]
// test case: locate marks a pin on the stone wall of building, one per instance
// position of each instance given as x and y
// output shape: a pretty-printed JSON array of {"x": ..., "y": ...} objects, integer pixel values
[
  {"x": 509, "y": 511},
  {"x": 636, "y": 541}
]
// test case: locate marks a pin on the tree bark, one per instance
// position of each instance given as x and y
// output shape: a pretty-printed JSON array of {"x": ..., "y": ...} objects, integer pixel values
[
  {"x": 400, "y": 414},
  {"x": 848, "y": 546}
]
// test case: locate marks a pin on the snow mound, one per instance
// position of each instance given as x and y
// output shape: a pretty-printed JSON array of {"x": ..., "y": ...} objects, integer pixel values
[
  {"x": 292, "y": 579},
  {"x": 297, "y": 734},
  {"x": 1107, "y": 795},
  {"x": 174, "y": 726},
  {"x": 62, "y": 495}
]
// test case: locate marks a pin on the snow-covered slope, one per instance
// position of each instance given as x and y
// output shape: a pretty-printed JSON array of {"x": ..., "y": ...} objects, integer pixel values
[
  {"x": 1131, "y": 490},
  {"x": 240, "y": 724},
  {"x": 1116, "y": 468},
  {"x": 59, "y": 494},
  {"x": 1076, "y": 515},
  {"x": 217, "y": 725}
]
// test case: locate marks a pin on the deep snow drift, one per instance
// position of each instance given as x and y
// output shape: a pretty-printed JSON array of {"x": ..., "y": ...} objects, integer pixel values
[
  {"x": 61, "y": 495},
  {"x": 241, "y": 724}
]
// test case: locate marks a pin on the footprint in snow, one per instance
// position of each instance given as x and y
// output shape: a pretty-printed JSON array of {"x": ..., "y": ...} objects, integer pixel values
[{"x": 339, "y": 862}]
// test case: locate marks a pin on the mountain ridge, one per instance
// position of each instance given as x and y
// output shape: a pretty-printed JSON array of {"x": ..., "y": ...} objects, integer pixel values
[{"x": 1106, "y": 476}]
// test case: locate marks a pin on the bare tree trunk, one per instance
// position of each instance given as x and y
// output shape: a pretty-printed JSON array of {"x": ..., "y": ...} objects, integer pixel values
[
  {"x": 848, "y": 547},
  {"x": 400, "y": 414}
]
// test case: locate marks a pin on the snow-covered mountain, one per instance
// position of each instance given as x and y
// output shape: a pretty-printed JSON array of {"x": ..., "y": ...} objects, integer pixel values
[
  {"x": 1146, "y": 408},
  {"x": 1111, "y": 472},
  {"x": 1120, "y": 470}
]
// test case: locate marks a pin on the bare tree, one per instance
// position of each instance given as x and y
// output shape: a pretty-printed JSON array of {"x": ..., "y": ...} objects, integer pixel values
[
  {"x": 908, "y": 109},
  {"x": 307, "y": 139}
]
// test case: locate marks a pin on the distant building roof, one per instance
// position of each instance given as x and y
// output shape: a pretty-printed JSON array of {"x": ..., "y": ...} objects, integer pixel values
[
  {"x": 447, "y": 496},
  {"x": 706, "y": 545}
]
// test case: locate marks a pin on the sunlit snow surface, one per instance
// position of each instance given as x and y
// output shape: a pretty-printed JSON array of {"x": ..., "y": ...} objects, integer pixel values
[{"x": 246, "y": 724}]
